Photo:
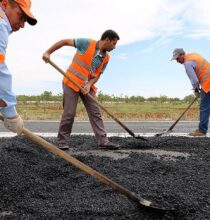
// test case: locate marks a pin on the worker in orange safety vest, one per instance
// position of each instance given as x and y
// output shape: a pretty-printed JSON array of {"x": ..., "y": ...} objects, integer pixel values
[
  {"x": 88, "y": 64},
  {"x": 13, "y": 15},
  {"x": 198, "y": 71}
]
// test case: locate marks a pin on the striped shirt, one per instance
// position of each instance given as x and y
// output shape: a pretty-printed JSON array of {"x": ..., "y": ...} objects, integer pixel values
[
  {"x": 82, "y": 44},
  {"x": 6, "y": 93}
]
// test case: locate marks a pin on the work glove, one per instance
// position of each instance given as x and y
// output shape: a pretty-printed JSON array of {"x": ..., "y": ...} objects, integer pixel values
[
  {"x": 15, "y": 125},
  {"x": 196, "y": 92}
]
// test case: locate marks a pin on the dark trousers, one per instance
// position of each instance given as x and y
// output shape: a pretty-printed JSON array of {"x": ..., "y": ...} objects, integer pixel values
[
  {"x": 204, "y": 111},
  {"x": 70, "y": 100}
]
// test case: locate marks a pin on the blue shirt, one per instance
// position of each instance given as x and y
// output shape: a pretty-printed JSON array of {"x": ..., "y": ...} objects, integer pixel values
[
  {"x": 6, "y": 93},
  {"x": 82, "y": 44},
  {"x": 190, "y": 67}
]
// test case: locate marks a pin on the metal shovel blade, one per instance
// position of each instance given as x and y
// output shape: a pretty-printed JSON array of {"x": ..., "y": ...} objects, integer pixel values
[
  {"x": 165, "y": 133},
  {"x": 150, "y": 205},
  {"x": 140, "y": 137}
]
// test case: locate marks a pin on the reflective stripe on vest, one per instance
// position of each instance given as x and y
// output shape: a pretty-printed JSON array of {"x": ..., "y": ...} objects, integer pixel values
[
  {"x": 2, "y": 55},
  {"x": 80, "y": 67},
  {"x": 204, "y": 62},
  {"x": 76, "y": 73},
  {"x": 202, "y": 70},
  {"x": 2, "y": 58},
  {"x": 205, "y": 76},
  {"x": 87, "y": 67}
]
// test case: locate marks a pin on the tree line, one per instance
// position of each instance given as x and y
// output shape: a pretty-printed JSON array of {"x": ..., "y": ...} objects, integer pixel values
[{"x": 48, "y": 96}]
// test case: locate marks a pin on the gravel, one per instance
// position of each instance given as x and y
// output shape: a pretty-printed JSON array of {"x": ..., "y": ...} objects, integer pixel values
[{"x": 172, "y": 172}]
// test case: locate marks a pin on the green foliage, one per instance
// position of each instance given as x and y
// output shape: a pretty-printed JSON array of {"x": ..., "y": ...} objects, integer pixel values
[
  {"x": 45, "y": 96},
  {"x": 48, "y": 96},
  {"x": 49, "y": 106},
  {"x": 189, "y": 98}
]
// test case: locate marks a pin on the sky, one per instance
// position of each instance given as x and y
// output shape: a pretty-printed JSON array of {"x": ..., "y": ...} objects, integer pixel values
[{"x": 140, "y": 65}]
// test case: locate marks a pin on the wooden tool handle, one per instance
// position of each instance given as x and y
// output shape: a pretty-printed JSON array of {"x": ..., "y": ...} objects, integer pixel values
[
  {"x": 103, "y": 179},
  {"x": 173, "y": 125},
  {"x": 92, "y": 98}
]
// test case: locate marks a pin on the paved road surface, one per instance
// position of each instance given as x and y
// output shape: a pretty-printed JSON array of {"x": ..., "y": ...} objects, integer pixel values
[{"x": 111, "y": 127}]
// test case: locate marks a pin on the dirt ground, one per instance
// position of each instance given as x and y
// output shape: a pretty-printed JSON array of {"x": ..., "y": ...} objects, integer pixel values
[{"x": 173, "y": 172}]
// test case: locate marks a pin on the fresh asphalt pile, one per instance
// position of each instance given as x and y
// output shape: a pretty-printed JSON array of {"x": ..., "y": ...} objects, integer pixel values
[{"x": 35, "y": 184}]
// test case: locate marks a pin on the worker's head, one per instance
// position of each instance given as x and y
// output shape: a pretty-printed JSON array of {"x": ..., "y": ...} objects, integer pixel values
[
  {"x": 18, "y": 12},
  {"x": 179, "y": 55},
  {"x": 109, "y": 39}
]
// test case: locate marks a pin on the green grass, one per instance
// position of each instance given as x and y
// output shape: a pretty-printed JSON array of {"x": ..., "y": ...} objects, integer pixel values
[{"x": 123, "y": 111}]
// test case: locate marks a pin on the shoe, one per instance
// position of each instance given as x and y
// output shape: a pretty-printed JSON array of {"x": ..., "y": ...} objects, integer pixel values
[
  {"x": 63, "y": 146},
  {"x": 197, "y": 133},
  {"x": 109, "y": 146}
]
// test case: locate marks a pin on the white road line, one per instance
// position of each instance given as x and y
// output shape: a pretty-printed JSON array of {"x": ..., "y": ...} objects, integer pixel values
[{"x": 9, "y": 134}]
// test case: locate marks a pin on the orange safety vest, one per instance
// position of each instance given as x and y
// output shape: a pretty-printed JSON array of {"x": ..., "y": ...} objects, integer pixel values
[
  {"x": 202, "y": 70},
  {"x": 80, "y": 68},
  {"x": 2, "y": 55}
]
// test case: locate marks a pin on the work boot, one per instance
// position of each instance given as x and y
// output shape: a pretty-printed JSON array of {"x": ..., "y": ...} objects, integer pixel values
[
  {"x": 63, "y": 146},
  {"x": 197, "y": 133},
  {"x": 109, "y": 146}
]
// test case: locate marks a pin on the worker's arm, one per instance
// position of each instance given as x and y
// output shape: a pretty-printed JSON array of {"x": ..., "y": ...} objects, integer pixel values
[
  {"x": 56, "y": 46},
  {"x": 87, "y": 86},
  {"x": 12, "y": 120},
  {"x": 93, "y": 79},
  {"x": 190, "y": 67},
  {"x": 7, "y": 97}
]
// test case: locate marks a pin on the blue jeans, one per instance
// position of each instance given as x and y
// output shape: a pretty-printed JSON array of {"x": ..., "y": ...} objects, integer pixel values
[{"x": 204, "y": 111}]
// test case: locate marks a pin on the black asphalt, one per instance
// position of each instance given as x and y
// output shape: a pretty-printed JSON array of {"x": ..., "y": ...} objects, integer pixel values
[{"x": 35, "y": 184}]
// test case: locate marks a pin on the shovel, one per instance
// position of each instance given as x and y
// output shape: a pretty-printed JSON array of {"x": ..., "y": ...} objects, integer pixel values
[
  {"x": 103, "y": 179},
  {"x": 173, "y": 125},
  {"x": 96, "y": 101}
]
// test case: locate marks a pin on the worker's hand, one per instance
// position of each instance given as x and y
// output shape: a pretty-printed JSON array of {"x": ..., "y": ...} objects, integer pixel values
[
  {"x": 46, "y": 57},
  {"x": 14, "y": 124},
  {"x": 196, "y": 92},
  {"x": 86, "y": 88}
]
